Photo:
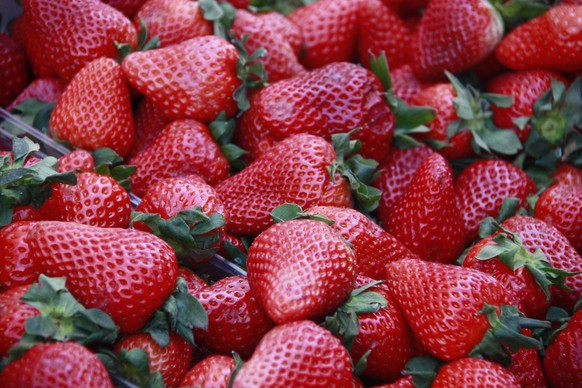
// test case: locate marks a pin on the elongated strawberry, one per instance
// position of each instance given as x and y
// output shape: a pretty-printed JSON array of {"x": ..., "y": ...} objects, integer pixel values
[
  {"x": 550, "y": 41},
  {"x": 13, "y": 69},
  {"x": 297, "y": 353},
  {"x": 213, "y": 371},
  {"x": 473, "y": 371},
  {"x": 16, "y": 266},
  {"x": 199, "y": 84},
  {"x": 95, "y": 109},
  {"x": 14, "y": 314},
  {"x": 562, "y": 360}
]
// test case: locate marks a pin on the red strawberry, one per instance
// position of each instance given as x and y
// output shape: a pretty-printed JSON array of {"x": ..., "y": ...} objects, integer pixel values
[
  {"x": 95, "y": 109},
  {"x": 285, "y": 28},
  {"x": 527, "y": 368},
  {"x": 128, "y": 7},
  {"x": 37, "y": 47},
  {"x": 329, "y": 29},
  {"x": 561, "y": 206},
  {"x": 404, "y": 382},
  {"x": 300, "y": 269},
  {"x": 193, "y": 79},
  {"x": 297, "y": 354},
  {"x": 372, "y": 246},
  {"x": 551, "y": 41},
  {"x": 482, "y": 187},
  {"x": 14, "y": 314},
  {"x": 171, "y": 361},
  {"x": 454, "y": 37},
  {"x": 126, "y": 273},
  {"x": 406, "y": 85},
  {"x": 182, "y": 148},
  {"x": 13, "y": 69},
  {"x": 43, "y": 89},
  {"x": 79, "y": 31},
  {"x": 16, "y": 266},
  {"x": 426, "y": 218},
  {"x": 470, "y": 371},
  {"x": 172, "y": 21},
  {"x": 214, "y": 371},
  {"x": 61, "y": 364},
  {"x": 567, "y": 174},
  {"x": 149, "y": 121},
  {"x": 236, "y": 320},
  {"x": 193, "y": 281},
  {"x": 562, "y": 360},
  {"x": 78, "y": 160}
]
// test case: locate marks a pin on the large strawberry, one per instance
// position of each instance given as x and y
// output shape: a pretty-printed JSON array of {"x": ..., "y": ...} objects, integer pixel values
[
  {"x": 551, "y": 41},
  {"x": 13, "y": 69},
  {"x": 16, "y": 266},
  {"x": 471, "y": 371},
  {"x": 193, "y": 79},
  {"x": 562, "y": 360},
  {"x": 454, "y": 37},
  {"x": 95, "y": 109},
  {"x": 213, "y": 371}
]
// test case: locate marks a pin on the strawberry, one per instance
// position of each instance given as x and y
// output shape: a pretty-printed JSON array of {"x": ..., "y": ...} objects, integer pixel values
[
  {"x": 551, "y": 41},
  {"x": 471, "y": 371},
  {"x": 426, "y": 218},
  {"x": 562, "y": 360},
  {"x": 63, "y": 364},
  {"x": 482, "y": 186},
  {"x": 300, "y": 269},
  {"x": 128, "y": 7},
  {"x": 14, "y": 314},
  {"x": 406, "y": 85},
  {"x": 199, "y": 84},
  {"x": 454, "y": 37},
  {"x": 193, "y": 281},
  {"x": 372, "y": 246},
  {"x": 16, "y": 266},
  {"x": 37, "y": 47},
  {"x": 236, "y": 320},
  {"x": 43, "y": 89},
  {"x": 95, "y": 109},
  {"x": 285, "y": 28},
  {"x": 77, "y": 32},
  {"x": 567, "y": 174},
  {"x": 13, "y": 69},
  {"x": 527, "y": 367},
  {"x": 329, "y": 29},
  {"x": 78, "y": 160},
  {"x": 149, "y": 121},
  {"x": 213, "y": 371},
  {"x": 297, "y": 354},
  {"x": 404, "y": 382},
  {"x": 171, "y": 361},
  {"x": 172, "y": 21},
  {"x": 126, "y": 273},
  {"x": 182, "y": 148}
]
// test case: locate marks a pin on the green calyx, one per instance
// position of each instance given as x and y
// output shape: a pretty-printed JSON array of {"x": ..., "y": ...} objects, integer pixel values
[
  {"x": 23, "y": 186},
  {"x": 180, "y": 313},
  {"x": 108, "y": 162},
  {"x": 130, "y": 368},
  {"x": 238, "y": 364},
  {"x": 517, "y": 12},
  {"x": 423, "y": 370},
  {"x": 143, "y": 44},
  {"x": 222, "y": 130},
  {"x": 282, "y": 6},
  {"x": 193, "y": 235},
  {"x": 504, "y": 336},
  {"x": 291, "y": 211}
]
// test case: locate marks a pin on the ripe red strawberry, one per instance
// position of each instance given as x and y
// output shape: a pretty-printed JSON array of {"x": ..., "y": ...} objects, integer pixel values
[
  {"x": 336, "y": 98},
  {"x": 525, "y": 87},
  {"x": 562, "y": 360},
  {"x": 293, "y": 171},
  {"x": 527, "y": 367},
  {"x": 13, "y": 69},
  {"x": 193, "y": 281},
  {"x": 300, "y": 269},
  {"x": 182, "y": 148},
  {"x": 43, "y": 89},
  {"x": 16, "y": 266},
  {"x": 126, "y": 273},
  {"x": 128, "y": 7},
  {"x": 426, "y": 218},
  {"x": 193, "y": 79},
  {"x": 329, "y": 29},
  {"x": 561, "y": 206},
  {"x": 482, "y": 187},
  {"x": 171, "y": 361},
  {"x": 372, "y": 246},
  {"x": 567, "y": 174},
  {"x": 550, "y": 41},
  {"x": 172, "y": 21},
  {"x": 14, "y": 314},
  {"x": 470, "y": 371},
  {"x": 381, "y": 29},
  {"x": 297, "y": 354},
  {"x": 285, "y": 28},
  {"x": 454, "y": 37},
  {"x": 78, "y": 160},
  {"x": 149, "y": 121},
  {"x": 406, "y": 85},
  {"x": 404, "y": 382},
  {"x": 213, "y": 371},
  {"x": 95, "y": 109},
  {"x": 76, "y": 32},
  {"x": 37, "y": 47},
  {"x": 236, "y": 320},
  {"x": 60, "y": 364}
]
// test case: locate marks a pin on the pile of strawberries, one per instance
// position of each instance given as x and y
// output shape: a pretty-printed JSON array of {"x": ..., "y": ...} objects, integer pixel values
[{"x": 401, "y": 181}]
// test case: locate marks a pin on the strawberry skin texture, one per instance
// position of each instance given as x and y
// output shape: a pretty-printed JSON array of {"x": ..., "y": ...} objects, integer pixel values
[
  {"x": 94, "y": 111},
  {"x": 426, "y": 218},
  {"x": 13, "y": 313},
  {"x": 128, "y": 7},
  {"x": 300, "y": 269},
  {"x": 16, "y": 266},
  {"x": 182, "y": 148},
  {"x": 79, "y": 31},
  {"x": 193, "y": 281},
  {"x": 567, "y": 174},
  {"x": 372, "y": 246},
  {"x": 43, "y": 89},
  {"x": 13, "y": 69},
  {"x": 461, "y": 293},
  {"x": 454, "y": 37},
  {"x": 562, "y": 360},
  {"x": 474, "y": 372},
  {"x": 552, "y": 41},
  {"x": 406, "y": 85},
  {"x": 293, "y": 171},
  {"x": 299, "y": 354},
  {"x": 149, "y": 121},
  {"x": 212, "y": 372},
  {"x": 561, "y": 206},
  {"x": 285, "y": 28},
  {"x": 126, "y": 273},
  {"x": 482, "y": 187},
  {"x": 171, "y": 361},
  {"x": 236, "y": 320},
  {"x": 527, "y": 367},
  {"x": 78, "y": 160},
  {"x": 193, "y": 79}
]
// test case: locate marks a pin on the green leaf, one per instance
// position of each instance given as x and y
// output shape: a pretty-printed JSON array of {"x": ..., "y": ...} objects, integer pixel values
[
  {"x": 286, "y": 212},
  {"x": 508, "y": 208},
  {"x": 130, "y": 366},
  {"x": 503, "y": 141},
  {"x": 500, "y": 100},
  {"x": 379, "y": 66},
  {"x": 423, "y": 370}
]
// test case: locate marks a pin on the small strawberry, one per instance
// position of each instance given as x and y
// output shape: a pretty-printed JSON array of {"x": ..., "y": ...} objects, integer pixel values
[
  {"x": 562, "y": 360},
  {"x": 470, "y": 371},
  {"x": 43, "y": 89},
  {"x": 16, "y": 266},
  {"x": 13, "y": 69},
  {"x": 75, "y": 161},
  {"x": 14, "y": 313},
  {"x": 527, "y": 367},
  {"x": 213, "y": 371}
]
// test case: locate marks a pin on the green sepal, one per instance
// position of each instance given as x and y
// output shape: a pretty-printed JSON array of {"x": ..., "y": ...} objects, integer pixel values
[
  {"x": 423, "y": 370},
  {"x": 488, "y": 226},
  {"x": 282, "y": 6},
  {"x": 131, "y": 367},
  {"x": 291, "y": 211},
  {"x": 35, "y": 113},
  {"x": 222, "y": 130},
  {"x": 238, "y": 364},
  {"x": 108, "y": 162},
  {"x": 143, "y": 44},
  {"x": 235, "y": 255},
  {"x": 360, "y": 366},
  {"x": 516, "y": 12}
]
